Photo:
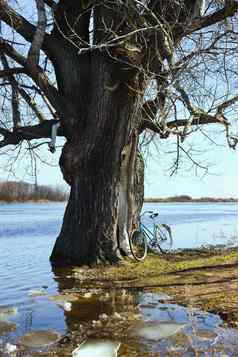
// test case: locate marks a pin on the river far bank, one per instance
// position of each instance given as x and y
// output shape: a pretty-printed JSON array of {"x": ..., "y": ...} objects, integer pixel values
[
  {"x": 186, "y": 198},
  {"x": 21, "y": 192}
]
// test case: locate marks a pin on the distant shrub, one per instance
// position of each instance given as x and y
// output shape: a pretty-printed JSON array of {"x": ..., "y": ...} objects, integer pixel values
[
  {"x": 181, "y": 198},
  {"x": 187, "y": 198},
  {"x": 12, "y": 191}
]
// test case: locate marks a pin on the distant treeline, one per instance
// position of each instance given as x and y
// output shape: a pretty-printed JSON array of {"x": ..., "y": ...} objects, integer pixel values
[
  {"x": 11, "y": 191},
  {"x": 186, "y": 198}
]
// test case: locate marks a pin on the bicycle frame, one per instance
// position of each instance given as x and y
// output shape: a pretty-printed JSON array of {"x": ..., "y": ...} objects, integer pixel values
[
  {"x": 149, "y": 234},
  {"x": 145, "y": 237}
]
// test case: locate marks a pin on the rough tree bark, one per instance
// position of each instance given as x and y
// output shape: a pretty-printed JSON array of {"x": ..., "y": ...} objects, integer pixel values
[
  {"x": 106, "y": 115},
  {"x": 101, "y": 185},
  {"x": 103, "y": 208}
]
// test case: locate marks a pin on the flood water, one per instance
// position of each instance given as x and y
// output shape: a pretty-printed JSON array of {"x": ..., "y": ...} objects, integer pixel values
[
  {"x": 27, "y": 236},
  {"x": 199, "y": 224}
]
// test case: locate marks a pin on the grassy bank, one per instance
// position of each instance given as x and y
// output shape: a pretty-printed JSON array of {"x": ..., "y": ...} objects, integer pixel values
[{"x": 204, "y": 278}]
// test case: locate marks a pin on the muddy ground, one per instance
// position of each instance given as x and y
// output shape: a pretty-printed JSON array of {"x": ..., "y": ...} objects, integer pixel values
[{"x": 205, "y": 278}]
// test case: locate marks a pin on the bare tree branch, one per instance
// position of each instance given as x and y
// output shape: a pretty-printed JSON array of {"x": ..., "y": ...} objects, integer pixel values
[
  {"x": 39, "y": 77},
  {"x": 32, "y": 104},
  {"x": 21, "y": 25},
  {"x": 202, "y": 119},
  {"x": 185, "y": 98},
  {"x": 38, "y": 38},
  {"x": 40, "y": 131},
  {"x": 229, "y": 10},
  {"x": 164, "y": 130},
  {"x": 16, "y": 117},
  {"x": 226, "y": 104},
  {"x": 46, "y": 101},
  {"x": 150, "y": 108},
  {"x": 10, "y": 71}
]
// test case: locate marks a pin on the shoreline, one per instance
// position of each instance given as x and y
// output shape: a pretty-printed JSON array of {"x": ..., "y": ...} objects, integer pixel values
[
  {"x": 147, "y": 200},
  {"x": 192, "y": 200},
  {"x": 31, "y": 201}
]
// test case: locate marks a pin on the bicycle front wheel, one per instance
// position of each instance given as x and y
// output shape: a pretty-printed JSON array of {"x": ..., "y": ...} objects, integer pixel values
[
  {"x": 138, "y": 245},
  {"x": 164, "y": 237}
]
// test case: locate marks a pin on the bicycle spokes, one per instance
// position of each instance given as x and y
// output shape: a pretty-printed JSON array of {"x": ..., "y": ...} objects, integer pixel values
[{"x": 138, "y": 245}]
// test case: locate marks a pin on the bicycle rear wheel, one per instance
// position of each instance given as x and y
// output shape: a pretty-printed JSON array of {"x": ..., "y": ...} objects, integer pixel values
[
  {"x": 164, "y": 237},
  {"x": 138, "y": 245}
]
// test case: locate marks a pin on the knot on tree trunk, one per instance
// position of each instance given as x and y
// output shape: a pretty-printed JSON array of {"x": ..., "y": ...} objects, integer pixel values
[{"x": 70, "y": 162}]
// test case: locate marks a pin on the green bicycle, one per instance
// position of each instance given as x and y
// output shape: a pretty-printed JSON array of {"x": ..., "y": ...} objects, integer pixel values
[{"x": 159, "y": 239}]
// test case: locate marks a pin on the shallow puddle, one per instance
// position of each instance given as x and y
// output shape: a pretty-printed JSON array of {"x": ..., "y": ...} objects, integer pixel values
[
  {"x": 38, "y": 339},
  {"x": 124, "y": 323},
  {"x": 97, "y": 349},
  {"x": 170, "y": 328},
  {"x": 157, "y": 330}
]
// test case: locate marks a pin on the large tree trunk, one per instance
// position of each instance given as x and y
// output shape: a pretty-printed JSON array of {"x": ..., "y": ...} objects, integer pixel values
[
  {"x": 104, "y": 96},
  {"x": 92, "y": 164},
  {"x": 99, "y": 216}
]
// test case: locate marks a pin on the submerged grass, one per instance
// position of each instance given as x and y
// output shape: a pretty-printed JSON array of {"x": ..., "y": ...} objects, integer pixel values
[{"x": 157, "y": 265}]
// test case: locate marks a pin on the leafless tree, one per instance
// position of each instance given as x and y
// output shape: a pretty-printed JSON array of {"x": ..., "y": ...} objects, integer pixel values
[{"x": 108, "y": 72}]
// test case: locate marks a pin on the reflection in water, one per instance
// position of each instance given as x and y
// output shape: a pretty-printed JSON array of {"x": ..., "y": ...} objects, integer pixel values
[
  {"x": 27, "y": 235},
  {"x": 97, "y": 349},
  {"x": 156, "y": 331},
  {"x": 84, "y": 308},
  {"x": 144, "y": 323}
]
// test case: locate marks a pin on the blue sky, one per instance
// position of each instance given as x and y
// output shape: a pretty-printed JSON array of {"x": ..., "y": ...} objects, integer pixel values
[{"x": 220, "y": 181}]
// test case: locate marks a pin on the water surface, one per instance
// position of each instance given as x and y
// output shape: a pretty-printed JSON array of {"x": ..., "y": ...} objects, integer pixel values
[
  {"x": 27, "y": 236},
  {"x": 199, "y": 224}
]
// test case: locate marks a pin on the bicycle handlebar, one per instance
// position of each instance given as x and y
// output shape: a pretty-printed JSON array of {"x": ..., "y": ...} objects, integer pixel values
[{"x": 152, "y": 214}]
